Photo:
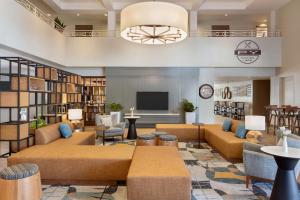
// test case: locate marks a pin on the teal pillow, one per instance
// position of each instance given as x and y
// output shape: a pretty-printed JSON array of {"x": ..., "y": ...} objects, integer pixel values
[
  {"x": 241, "y": 131},
  {"x": 65, "y": 130},
  {"x": 227, "y": 125}
]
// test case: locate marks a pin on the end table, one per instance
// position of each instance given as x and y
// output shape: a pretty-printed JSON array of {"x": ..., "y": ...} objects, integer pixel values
[{"x": 199, "y": 133}]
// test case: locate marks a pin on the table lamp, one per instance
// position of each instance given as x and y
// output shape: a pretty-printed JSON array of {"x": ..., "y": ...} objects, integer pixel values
[
  {"x": 255, "y": 124},
  {"x": 75, "y": 115}
]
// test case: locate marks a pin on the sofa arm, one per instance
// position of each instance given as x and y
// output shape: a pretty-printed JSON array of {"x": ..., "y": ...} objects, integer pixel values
[
  {"x": 259, "y": 165},
  {"x": 252, "y": 147}
]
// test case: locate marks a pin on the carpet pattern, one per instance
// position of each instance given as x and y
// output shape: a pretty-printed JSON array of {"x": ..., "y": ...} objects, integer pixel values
[{"x": 213, "y": 178}]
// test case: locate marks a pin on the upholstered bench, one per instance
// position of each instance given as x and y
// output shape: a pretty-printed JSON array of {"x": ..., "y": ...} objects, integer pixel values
[
  {"x": 20, "y": 182},
  {"x": 158, "y": 172},
  {"x": 146, "y": 140}
]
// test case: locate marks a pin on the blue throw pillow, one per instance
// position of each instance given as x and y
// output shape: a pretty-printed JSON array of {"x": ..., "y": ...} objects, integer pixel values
[
  {"x": 227, "y": 125},
  {"x": 65, "y": 130},
  {"x": 241, "y": 131}
]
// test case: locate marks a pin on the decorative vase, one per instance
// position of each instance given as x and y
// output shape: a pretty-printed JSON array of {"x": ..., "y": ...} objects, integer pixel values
[
  {"x": 284, "y": 144},
  {"x": 190, "y": 117},
  {"x": 284, "y": 140}
]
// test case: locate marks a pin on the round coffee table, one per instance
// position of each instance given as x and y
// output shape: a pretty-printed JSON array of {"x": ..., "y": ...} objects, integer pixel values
[
  {"x": 285, "y": 185},
  {"x": 131, "y": 128}
]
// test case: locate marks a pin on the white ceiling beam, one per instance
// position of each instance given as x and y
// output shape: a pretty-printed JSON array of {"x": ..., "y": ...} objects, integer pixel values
[
  {"x": 197, "y": 4},
  {"x": 108, "y": 4}
]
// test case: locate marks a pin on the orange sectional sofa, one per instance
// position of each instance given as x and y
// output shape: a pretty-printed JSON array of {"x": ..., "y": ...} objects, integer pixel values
[
  {"x": 149, "y": 171},
  {"x": 184, "y": 132},
  {"x": 226, "y": 143},
  {"x": 76, "y": 160}
]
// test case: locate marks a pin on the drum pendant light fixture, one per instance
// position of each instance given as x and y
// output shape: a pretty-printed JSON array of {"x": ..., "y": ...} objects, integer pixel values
[{"x": 154, "y": 23}]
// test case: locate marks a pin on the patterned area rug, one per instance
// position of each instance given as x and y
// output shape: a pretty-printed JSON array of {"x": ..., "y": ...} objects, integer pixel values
[{"x": 213, "y": 178}]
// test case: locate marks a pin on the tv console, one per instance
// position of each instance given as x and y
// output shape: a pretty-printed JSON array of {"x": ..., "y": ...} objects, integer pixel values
[{"x": 148, "y": 120}]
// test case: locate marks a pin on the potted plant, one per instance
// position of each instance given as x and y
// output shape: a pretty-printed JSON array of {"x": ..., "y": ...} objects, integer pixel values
[
  {"x": 189, "y": 110},
  {"x": 116, "y": 108},
  {"x": 37, "y": 124},
  {"x": 59, "y": 25}
]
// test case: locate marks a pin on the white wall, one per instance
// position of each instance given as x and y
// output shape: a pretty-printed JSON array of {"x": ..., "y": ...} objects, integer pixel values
[
  {"x": 288, "y": 20},
  {"x": 21, "y": 30},
  {"x": 192, "y": 52},
  {"x": 27, "y": 33}
]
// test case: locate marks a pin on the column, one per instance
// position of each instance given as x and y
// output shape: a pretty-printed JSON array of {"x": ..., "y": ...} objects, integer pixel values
[
  {"x": 111, "y": 23},
  {"x": 193, "y": 21},
  {"x": 272, "y": 22}
]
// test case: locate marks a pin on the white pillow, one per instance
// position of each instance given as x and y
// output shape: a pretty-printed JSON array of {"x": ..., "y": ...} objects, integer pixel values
[
  {"x": 114, "y": 119},
  {"x": 106, "y": 120}
]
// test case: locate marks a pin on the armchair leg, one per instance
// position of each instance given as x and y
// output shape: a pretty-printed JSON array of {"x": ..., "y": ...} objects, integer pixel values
[{"x": 248, "y": 179}]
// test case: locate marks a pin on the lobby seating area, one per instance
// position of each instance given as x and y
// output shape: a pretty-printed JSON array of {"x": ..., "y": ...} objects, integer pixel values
[{"x": 149, "y": 100}]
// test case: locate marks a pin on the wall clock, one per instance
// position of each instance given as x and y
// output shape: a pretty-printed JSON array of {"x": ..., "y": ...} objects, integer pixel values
[{"x": 206, "y": 91}]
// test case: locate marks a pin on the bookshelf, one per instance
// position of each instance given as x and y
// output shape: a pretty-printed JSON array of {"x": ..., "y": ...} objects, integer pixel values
[
  {"x": 30, "y": 90},
  {"x": 94, "y": 97}
]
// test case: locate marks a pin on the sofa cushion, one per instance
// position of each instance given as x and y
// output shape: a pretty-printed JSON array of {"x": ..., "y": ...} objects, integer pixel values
[
  {"x": 47, "y": 134},
  {"x": 227, "y": 125},
  {"x": 241, "y": 131},
  {"x": 65, "y": 130},
  {"x": 234, "y": 125}
]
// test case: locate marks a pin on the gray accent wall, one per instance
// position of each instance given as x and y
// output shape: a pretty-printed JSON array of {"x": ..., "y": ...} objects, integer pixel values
[{"x": 123, "y": 83}]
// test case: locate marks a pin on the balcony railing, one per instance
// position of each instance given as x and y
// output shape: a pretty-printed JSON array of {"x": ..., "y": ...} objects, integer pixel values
[
  {"x": 105, "y": 33},
  {"x": 206, "y": 33},
  {"x": 40, "y": 14}
]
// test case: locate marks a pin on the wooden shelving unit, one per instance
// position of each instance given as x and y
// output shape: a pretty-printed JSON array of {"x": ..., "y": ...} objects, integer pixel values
[
  {"x": 94, "y": 98},
  {"x": 30, "y": 90}
]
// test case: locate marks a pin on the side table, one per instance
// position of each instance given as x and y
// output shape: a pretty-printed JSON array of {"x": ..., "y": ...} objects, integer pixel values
[
  {"x": 285, "y": 185},
  {"x": 199, "y": 132},
  {"x": 131, "y": 128}
]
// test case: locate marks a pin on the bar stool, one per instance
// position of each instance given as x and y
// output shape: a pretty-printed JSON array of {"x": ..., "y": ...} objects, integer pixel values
[
  {"x": 146, "y": 140},
  {"x": 21, "y": 182},
  {"x": 157, "y": 134},
  {"x": 270, "y": 116},
  {"x": 168, "y": 140},
  {"x": 296, "y": 123}
]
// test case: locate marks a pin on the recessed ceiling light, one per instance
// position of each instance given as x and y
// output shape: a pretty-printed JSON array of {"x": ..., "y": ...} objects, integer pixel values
[
  {"x": 226, "y": 15},
  {"x": 78, "y": 14},
  {"x": 105, "y": 14}
]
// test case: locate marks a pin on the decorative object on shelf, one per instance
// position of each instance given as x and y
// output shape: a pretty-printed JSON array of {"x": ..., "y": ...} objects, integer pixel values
[
  {"x": 116, "y": 108},
  {"x": 154, "y": 23},
  {"x": 206, "y": 91},
  {"x": 189, "y": 110},
  {"x": 255, "y": 123},
  {"x": 23, "y": 114},
  {"x": 131, "y": 111},
  {"x": 226, "y": 94}
]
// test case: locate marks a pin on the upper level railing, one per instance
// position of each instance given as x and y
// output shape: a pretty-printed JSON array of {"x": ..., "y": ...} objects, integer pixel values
[
  {"x": 205, "y": 33},
  {"x": 105, "y": 33},
  {"x": 40, "y": 14}
]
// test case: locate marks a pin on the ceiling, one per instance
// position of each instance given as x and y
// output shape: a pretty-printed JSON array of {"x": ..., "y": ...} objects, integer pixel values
[
  {"x": 96, "y": 6},
  {"x": 255, "y": 10}
]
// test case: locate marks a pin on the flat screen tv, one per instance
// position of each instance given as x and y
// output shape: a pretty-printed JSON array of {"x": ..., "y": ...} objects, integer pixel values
[{"x": 152, "y": 100}]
